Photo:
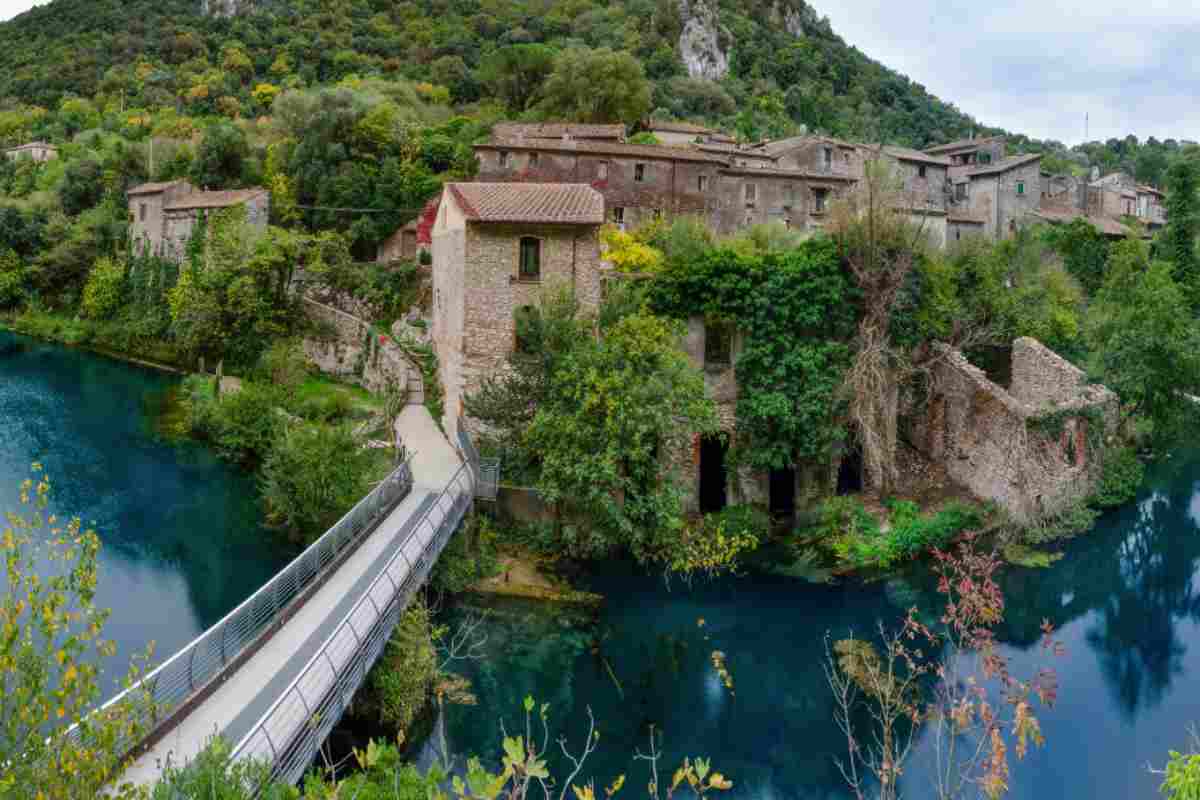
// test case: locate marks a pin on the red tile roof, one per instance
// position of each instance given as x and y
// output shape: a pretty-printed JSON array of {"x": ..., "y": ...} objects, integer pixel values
[
  {"x": 226, "y": 199},
  {"x": 562, "y": 203},
  {"x": 602, "y": 148},
  {"x": 557, "y": 130}
]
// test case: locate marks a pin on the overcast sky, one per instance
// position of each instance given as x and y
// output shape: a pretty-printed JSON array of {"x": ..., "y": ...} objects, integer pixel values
[
  {"x": 1031, "y": 66},
  {"x": 1037, "y": 66}
]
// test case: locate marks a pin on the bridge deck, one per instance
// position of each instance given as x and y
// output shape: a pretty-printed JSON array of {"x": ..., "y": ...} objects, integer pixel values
[{"x": 234, "y": 708}]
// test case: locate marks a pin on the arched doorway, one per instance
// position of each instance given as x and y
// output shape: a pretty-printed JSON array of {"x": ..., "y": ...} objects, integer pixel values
[
  {"x": 714, "y": 477},
  {"x": 782, "y": 502}
]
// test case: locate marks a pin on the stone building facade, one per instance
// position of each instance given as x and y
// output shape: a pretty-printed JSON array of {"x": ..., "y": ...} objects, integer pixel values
[
  {"x": 164, "y": 215},
  {"x": 496, "y": 248},
  {"x": 39, "y": 152},
  {"x": 998, "y": 195},
  {"x": 1033, "y": 447}
]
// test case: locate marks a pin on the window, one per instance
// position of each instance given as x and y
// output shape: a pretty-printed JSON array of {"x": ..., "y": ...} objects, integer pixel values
[
  {"x": 718, "y": 343},
  {"x": 960, "y": 191},
  {"x": 531, "y": 259},
  {"x": 503, "y": 159},
  {"x": 533, "y": 160},
  {"x": 985, "y": 158},
  {"x": 820, "y": 196},
  {"x": 750, "y": 191},
  {"x": 141, "y": 212},
  {"x": 921, "y": 171},
  {"x": 827, "y": 157},
  {"x": 1020, "y": 188},
  {"x": 619, "y": 215},
  {"x": 639, "y": 172},
  {"x": 702, "y": 184},
  {"x": 656, "y": 214},
  {"x": 602, "y": 171}
]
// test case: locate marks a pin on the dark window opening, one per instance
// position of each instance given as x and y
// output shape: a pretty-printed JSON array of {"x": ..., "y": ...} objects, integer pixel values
[
  {"x": 827, "y": 158},
  {"x": 142, "y": 212},
  {"x": 702, "y": 183},
  {"x": 619, "y": 215},
  {"x": 783, "y": 495},
  {"x": 713, "y": 475},
  {"x": 985, "y": 158},
  {"x": 960, "y": 191},
  {"x": 718, "y": 343},
  {"x": 639, "y": 172},
  {"x": 533, "y": 159},
  {"x": 531, "y": 259},
  {"x": 850, "y": 471},
  {"x": 820, "y": 196},
  {"x": 751, "y": 193},
  {"x": 503, "y": 159},
  {"x": 921, "y": 171}
]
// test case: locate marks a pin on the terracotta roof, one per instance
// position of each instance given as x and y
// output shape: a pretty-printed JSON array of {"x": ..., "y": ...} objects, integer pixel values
[
  {"x": 1004, "y": 164},
  {"x": 152, "y": 188},
  {"x": 602, "y": 148},
  {"x": 1106, "y": 225},
  {"x": 226, "y": 199},
  {"x": 908, "y": 154},
  {"x": 779, "y": 146},
  {"x": 678, "y": 127},
  {"x": 557, "y": 130},
  {"x": 733, "y": 150},
  {"x": 961, "y": 144},
  {"x": 772, "y": 172},
  {"x": 564, "y": 203}
]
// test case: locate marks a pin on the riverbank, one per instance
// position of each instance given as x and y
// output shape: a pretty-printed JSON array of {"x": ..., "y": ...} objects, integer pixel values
[{"x": 111, "y": 340}]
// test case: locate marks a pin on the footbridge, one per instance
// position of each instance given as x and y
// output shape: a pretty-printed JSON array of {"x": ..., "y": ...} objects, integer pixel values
[{"x": 274, "y": 676}]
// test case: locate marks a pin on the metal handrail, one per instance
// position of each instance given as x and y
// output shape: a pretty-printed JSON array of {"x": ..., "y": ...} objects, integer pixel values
[
  {"x": 198, "y": 663},
  {"x": 291, "y": 732}
]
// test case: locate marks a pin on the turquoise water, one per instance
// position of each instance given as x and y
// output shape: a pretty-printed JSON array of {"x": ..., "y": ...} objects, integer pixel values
[
  {"x": 1125, "y": 600},
  {"x": 181, "y": 530}
]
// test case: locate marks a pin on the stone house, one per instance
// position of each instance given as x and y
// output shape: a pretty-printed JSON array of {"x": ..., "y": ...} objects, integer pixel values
[
  {"x": 412, "y": 239},
  {"x": 496, "y": 246},
  {"x": 39, "y": 152},
  {"x": 1150, "y": 208},
  {"x": 146, "y": 213},
  {"x": 971, "y": 152},
  {"x": 750, "y": 196},
  {"x": 817, "y": 154},
  {"x": 998, "y": 195},
  {"x": 1114, "y": 195},
  {"x": 164, "y": 215},
  {"x": 1033, "y": 446}
]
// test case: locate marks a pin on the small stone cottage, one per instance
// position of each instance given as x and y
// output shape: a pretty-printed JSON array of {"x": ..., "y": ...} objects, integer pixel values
[
  {"x": 495, "y": 247},
  {"x": 163, "y": 215}
]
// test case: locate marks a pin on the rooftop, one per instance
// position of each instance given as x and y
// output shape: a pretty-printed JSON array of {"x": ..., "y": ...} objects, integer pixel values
[
  {"x": 562, "y": 203},
  {"x": 772, "y": 172},
  {"x": 678, "y": 127},
  {"x": 1106, "y": 225},
  {"x": 908, "y": 154},
  {"x": 226, "y": 199},
  {"x": 603, "y": 148},
  {"x": 961, "y": 144},
  {"x": 152, "y": 188},
  {"x": 779, "y": 146},
  {"x": 1004, "y": 164},
  {"x": 557, "y": 130}
]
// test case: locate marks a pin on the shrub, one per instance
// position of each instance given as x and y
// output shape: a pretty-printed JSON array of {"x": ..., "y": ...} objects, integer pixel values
[
  {"x": 12, "y": 279},
  {"x": 401, "y": 682},
  {"x": 857, "y": 538},
  {"x": 469, "y": 557},
  {"x": 105, "y": 289},
  {"x": 1121, "y": 478},
  {"x": 312, "y": 476},
  {"x": 245, "y": 423},
  {"x": 715, "y": 545},
  {"x": 283, "y": 365}
]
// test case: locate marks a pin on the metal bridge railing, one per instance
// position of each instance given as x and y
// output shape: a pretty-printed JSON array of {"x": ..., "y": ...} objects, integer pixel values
[
  {"x": 290, "y": 734},
  {"x": 178, "y": 678},
  {"x": 487, "y": 470}
]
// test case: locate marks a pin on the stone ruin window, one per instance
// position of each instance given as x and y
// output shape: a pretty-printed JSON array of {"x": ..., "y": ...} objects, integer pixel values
[
  {"x": 141, "y": 212},
  {"x": 503, "y": 159},
  {"x": 751, "y": 193},
  {"x": 820, "y": 198},
  {"x": 960, "y": 191},
  {"x": 718, "y": 343},
  {"x": 530, "y": 268},
  {"x": 921, "y": 171},
  {"x": 702, "y": 184},
  {"x": 533, "y": 160},
  {"x": 639, "y": 172},
  {"x": 619, "y": 215},
  {"x": 827, "y": 158}
]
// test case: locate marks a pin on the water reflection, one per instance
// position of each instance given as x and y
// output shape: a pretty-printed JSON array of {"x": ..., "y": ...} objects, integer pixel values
[
  {"x": 181, "y": 531},
  {"x": 1123, "y": 598}
]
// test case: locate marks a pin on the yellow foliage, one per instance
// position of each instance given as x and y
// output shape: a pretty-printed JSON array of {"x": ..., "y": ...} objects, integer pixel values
[{"x": 628, "y": 253}]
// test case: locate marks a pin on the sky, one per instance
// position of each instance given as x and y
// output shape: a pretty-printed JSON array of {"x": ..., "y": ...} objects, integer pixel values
[
  {"x": 1029, "y": 66},
  {"x": 1038, "y": 66}
]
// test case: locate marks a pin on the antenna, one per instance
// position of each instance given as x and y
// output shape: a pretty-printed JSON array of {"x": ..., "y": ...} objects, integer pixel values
[{"x": 1085, "y": 126}]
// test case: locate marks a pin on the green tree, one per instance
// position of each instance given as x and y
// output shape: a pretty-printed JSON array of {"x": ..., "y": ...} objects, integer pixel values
[
  {"x": 105, "y": 289},
  {"x": 515, "y": 73},
  {"x": 82, "y": 186},
  {"x": 1084, "y": 250},
  {"x": 220, "y": 161},
  {"x": 1178, "y": 240},
  {"x": 51, "y": 653},
  {"x": 597, "y": 86},
  {"x": 12, "y": 279}
]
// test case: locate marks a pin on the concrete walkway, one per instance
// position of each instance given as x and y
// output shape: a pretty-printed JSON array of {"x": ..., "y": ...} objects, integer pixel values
[{"x": 434, "y": 460}]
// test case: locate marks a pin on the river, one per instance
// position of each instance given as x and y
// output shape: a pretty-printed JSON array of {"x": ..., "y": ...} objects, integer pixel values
[
  {"x": 181, "y": 530},
  {"x": 1124, "y": 599}
]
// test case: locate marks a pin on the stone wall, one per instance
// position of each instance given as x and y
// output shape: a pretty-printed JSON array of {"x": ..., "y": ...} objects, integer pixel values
[
  {"x": 1030, "y": 449},
  {"x": 350, "y": 350}
]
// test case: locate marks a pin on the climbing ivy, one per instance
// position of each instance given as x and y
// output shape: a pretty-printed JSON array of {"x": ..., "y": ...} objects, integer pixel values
[{"x": 796, "y": 312}]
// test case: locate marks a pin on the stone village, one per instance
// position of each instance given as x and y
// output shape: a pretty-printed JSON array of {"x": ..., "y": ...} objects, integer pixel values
[{"x": 543, "y": 191}]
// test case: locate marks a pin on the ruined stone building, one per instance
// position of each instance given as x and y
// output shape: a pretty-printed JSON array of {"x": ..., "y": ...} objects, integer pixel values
[
  {"x": 495, "y": 247},
  {"x": 39, "y": 152},
  {"x": 1033, "y": 446},
  {"x": 164, "y": 215}
]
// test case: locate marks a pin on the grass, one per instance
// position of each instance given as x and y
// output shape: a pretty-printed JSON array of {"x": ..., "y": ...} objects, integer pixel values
[{"x": 111, "y": 338}]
